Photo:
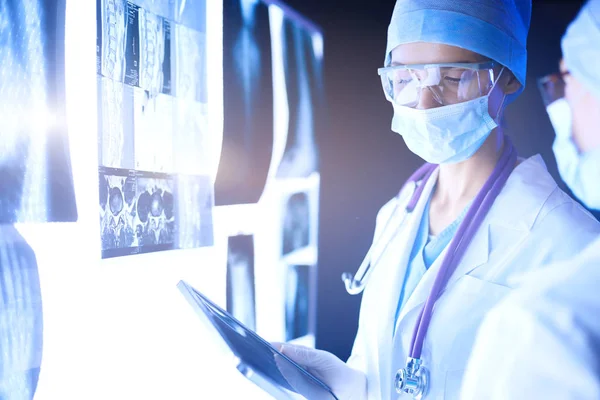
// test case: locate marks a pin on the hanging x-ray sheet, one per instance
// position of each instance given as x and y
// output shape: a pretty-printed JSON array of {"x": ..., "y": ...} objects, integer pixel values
[
  {"x": 153, "y": 137},
  {"x": 248, "y": 103},
  {"x": 241, "y": 302},
  {"x": 299, "y": 202},
  {"x": 299, "y": 301},
  {"x": 300, "y": 46},
  {"x": 274, "y": 98},
  {"x": 36, "y": 182}
]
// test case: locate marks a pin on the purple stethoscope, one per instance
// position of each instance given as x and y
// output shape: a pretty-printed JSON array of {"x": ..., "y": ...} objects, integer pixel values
[{"x": 413, "y": 378}]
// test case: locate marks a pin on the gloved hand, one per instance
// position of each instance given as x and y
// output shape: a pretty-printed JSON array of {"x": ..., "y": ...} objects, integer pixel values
[{"x": 345, "y": 382}]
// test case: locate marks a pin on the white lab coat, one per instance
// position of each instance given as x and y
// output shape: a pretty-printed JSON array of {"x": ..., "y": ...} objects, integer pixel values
[
  {"x": 542, "y": 341},
  {"x": 532, "y": 222}
]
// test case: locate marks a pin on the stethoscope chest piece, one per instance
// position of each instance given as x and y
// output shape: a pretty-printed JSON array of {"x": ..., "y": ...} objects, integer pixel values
[{"x": 412, "y": 379}]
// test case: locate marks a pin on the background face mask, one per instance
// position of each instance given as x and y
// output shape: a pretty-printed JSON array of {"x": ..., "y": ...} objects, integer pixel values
[
  {"x": 447, "y": 134},
  {"x": 580, "y": 171}
]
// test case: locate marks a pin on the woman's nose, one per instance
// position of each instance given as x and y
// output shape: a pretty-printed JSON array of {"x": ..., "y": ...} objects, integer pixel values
[{"x": 427, "y": 99}]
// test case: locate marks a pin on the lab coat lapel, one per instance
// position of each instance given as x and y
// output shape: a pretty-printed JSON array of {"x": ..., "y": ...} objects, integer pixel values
[
  {"x": 475, "y": 255},
  {"x": 391, "y": 278}
]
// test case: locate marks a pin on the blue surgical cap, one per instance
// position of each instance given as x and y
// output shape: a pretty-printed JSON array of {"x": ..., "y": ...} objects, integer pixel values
[
  {"x": 581, "y": 47},
  {"x": 496, "y": 29}
]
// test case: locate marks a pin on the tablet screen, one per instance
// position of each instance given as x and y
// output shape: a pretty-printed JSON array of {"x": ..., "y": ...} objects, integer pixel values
[{"x": 257, "y": 354}]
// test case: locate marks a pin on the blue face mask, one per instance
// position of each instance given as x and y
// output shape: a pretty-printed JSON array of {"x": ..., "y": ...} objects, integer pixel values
[
  {"x": 447, "y": 134},
  {"x": 580, "y": 171}
]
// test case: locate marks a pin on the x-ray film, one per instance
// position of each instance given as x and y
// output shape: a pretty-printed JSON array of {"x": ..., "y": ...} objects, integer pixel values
[
  {"x": 117, "y": 211},
  {"x": 167, "y": 61},
  {"x": 240, "y": 280},
  {"x": 137, "y": 212},
  {"x": 305, "y": 97},
  {"x": 297, "y": 301},
  {"x": 186, "y": 12},
  {"x": 115, "y": 124},
  {"x": 195, "y": 202},
  {"x": 36, "y": 183},
  {"x": 152, "y": 51},
  {"x": 163, "y": 8},
  {"x": 155, "y": 221},
  {"x": 296, "y": 223},
  {"x": 153, "y": 126},
  {"x": 189, "y": 50},
  {"x": 191, "y": 138},
  {"x": 132, "y": 45},
  {"x": 111, "y": 38},
  {"x": 248, "y": 103}
]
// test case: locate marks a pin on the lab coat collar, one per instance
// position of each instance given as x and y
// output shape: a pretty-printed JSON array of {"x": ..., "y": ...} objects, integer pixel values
[{"x": 532, "y": 177}]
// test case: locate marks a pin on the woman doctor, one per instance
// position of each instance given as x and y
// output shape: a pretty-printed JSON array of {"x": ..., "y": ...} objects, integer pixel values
[
  {"x": 543, "y": 341},
  {"x": 474, "y": 218}
]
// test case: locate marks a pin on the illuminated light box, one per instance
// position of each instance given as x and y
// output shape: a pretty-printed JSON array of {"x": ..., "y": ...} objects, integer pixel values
[{"x": 117, "y": 327}]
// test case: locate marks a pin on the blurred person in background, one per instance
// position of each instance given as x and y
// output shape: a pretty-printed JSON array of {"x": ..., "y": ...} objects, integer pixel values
[{"x": 543, "y": 341}]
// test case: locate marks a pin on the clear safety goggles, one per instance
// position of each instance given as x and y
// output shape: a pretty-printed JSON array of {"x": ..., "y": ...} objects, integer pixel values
[
  {"x": 552, "y": 87},
  {"x": 449, "y": 83}
]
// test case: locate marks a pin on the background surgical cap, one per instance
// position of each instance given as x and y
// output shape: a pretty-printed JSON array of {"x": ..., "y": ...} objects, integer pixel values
[
  {"x": 496, "y": 29},
  {"x": 581, "y": 47}
]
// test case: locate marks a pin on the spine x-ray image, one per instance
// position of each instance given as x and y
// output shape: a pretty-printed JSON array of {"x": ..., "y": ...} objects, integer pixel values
[
  {"x": 118, "y": 41},
  {"x": 153, "y": 42},
  {"x": 297, "y": 301},
  {"x": 240, "y": 280},
  {"x": 111, "y": 32},
  {"x": 296, "y": 223},
  {"x": 133, "y": 45},
  {"x": 248, "y": 103}
]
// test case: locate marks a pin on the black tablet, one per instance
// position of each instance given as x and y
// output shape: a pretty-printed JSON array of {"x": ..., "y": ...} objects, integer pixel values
[{"x": 255, "y": 358}]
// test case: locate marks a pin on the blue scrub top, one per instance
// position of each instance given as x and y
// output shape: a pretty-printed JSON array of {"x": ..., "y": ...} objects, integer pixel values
[{"x": 425, "y": 251}]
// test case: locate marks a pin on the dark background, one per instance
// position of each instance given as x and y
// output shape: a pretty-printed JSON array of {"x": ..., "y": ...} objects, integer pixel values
[{"x": 363, "y": 163}]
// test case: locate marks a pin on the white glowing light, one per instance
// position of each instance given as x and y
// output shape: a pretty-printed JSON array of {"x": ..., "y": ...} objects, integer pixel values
[
  {"x": 281, "y": 112},
  {"x": 214, "y": 44},
  {"x": 317, "y": 41}
]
